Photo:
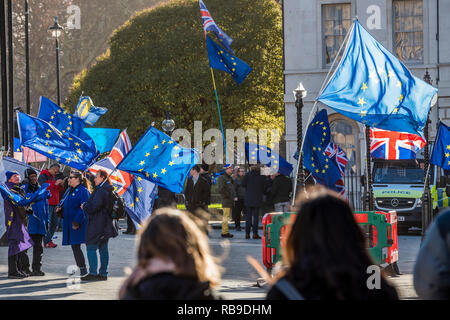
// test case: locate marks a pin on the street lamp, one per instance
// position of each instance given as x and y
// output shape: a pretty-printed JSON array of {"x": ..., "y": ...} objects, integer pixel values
[
  {"x": 168, "y": 124},
  {"x": 56, "y": 31},
  {"x": 299, "y": 93},
  {"x": 426, "y": 206}
]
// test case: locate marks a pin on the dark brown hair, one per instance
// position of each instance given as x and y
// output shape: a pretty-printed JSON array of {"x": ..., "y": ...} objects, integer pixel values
[
  {"x": 325, "y": 250},
  {"x": 171, "y": 234}
]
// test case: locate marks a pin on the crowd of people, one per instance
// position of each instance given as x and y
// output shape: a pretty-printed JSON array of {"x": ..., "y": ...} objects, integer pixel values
[
  {"x": 84, "y": 210},
  {"x": 325, "y": 256}
]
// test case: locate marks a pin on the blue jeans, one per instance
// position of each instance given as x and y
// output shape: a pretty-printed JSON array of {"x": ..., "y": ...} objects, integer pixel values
[
  {"x": 53, "y": 224},
  {"x": 91, "y": 250},
  {"x": 251, "y": 212}
]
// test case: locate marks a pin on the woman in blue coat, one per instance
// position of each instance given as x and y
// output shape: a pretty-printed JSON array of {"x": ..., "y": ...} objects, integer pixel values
[{"x": 74, "y": 222}]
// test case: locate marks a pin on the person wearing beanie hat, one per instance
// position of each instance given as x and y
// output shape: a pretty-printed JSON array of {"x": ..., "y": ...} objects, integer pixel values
[
  {"x": 37, "y": 222},
  {"x": 19, "y": 240},
  {"x": 226, "y": 190}
]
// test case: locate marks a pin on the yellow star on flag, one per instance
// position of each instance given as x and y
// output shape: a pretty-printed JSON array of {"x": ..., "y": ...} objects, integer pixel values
[
  {"x": 77, "y": 144},
  {"x": 163, "y": 171},
  {"x": 364, "y": 87},
  {"x": 447, "y": 155},
  {"x": 155, "y": 175},
  {"x": 140, "y": 190},
  {"x": 361, "y": 102},
  {"x": 171, "y": 163},
  {"x": 170, "y": 142},
  {"x": 155, "y": 147},
  {"x": 142, "y": 163},
  {"x": 147, "y": 154},
  {"x": 139, "y": 178}
]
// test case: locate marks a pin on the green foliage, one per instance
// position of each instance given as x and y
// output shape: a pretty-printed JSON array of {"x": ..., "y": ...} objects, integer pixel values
[{"x": 158, "y": 61}]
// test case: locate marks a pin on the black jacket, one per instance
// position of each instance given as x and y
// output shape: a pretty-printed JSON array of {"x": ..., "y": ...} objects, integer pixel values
[
  {"x": 432, "y": 269},
  {"x": 166, "y": 198},
  {"x": 100, "y": 224},
  {"x": 197, "y": 196},
  {"x": 255, "y": 186},
  {"x": 226, "y": 190},
  {"x": 281, "y": 189},
  {"x": 167, "y": 286},
  {"x": 238, "y": 188}
]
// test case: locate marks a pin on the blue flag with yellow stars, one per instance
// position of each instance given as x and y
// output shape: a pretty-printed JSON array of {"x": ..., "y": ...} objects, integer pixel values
[
  {"x": 441, "y": 149},
  {"x": 62, "y": 120},
  {"x": 139, "y": 199},
  {"x": 158, "y": 158},
  {"x": 87, "y": 111},
  {"x": 44, "y": 138},
  {"x": 372, "y": 86},
  {"x": 315, "y": 159},
  {"x": 265, "y": 155},
  {"x": 222, "y": 60},
  {"x": 18, "y": 200},
  {"x": 17, "y": 146}
]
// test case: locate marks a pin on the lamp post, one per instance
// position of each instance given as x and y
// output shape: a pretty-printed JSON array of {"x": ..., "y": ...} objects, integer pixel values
[
  {"x": 168, "y": 124},
  {"x": 368, "y": 204},
  {"x": 4, "y": 76},
  {"x": 299, "y": 93},
  {"x": 56, "y": 31},
  {"x": 426, "y": 206}
]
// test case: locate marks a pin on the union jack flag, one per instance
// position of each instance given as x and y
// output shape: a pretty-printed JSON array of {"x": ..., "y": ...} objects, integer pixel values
[
  {"x": 210, "y": 25},
  {"x": 393, "y": 145},
  {"x": 121, "y": 180},
  {"x": 341, "y": 160}
]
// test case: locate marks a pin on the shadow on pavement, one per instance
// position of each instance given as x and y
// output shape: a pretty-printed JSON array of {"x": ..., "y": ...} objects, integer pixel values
[
  {"x": 24, "y": 282},
  {"x": 42, "y": 297},
  {"x": 28, "y": 287}
]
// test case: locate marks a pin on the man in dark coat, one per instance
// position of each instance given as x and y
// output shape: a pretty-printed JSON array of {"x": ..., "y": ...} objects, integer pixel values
[
  {"x": 255, "y": 186},
  {"x": 166, "y": 198},
  {"x": 205, "y": 175},
  {"x": 226, "y": 190},
  {"x": 19, "y": 241},
  {"x": 197, "y": 191},
  {"x": 280, "y": 193},
  {"x": 239, "y": 191},
  {"x": 100, "y": 226}
]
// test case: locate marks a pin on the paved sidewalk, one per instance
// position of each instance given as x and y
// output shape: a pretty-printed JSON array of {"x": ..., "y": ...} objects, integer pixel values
[{"x": 238, "y": 280}]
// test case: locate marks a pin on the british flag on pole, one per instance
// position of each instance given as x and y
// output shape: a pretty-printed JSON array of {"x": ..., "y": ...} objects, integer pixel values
[
  {"x": 120, "y": 179},
  {"x": 337, "y": 155},
  {"x": 393, "y": 145},
  {"x": 210, "y": 25}
]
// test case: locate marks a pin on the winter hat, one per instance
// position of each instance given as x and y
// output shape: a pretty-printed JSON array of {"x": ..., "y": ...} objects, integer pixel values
[
  {"x": 30, "y": 171},
  {"x": 225, "y": 167},
  {"x": 9, "y": 174}
]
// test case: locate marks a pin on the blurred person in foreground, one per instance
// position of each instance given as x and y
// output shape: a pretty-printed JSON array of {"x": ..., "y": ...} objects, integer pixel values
[
  {"x": 432, "y": 268},
  {"x": 174, "y": 260},
  {"x": 325, "y": 254}
]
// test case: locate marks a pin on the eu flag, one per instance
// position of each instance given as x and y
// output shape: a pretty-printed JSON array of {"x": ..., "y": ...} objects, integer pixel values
[
  {"x": 315, "y": 158},
  {"x": 44, "y": 138},
  {"x": 372, "y": 86},
  {"x": 265, "y": 155},
  {"x": 87, "y": 111},
  {"x": 158, "y": 158},
  {"x": 62, "y": 120},
  {"x": 104, "y": 138},
  {"x": 139, "y": 199},
  {"x": 222, "y": 60},
  {"x": 18, "y": 200},
  {"x": 441, "y": 150}
]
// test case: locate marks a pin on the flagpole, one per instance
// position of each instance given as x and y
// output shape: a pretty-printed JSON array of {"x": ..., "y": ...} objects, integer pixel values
[
  {"x": 324, "y": 84},
  {"x": 220, "y": 117}
]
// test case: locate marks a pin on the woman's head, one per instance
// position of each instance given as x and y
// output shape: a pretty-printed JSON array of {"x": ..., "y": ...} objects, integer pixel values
[
  {"x": 75, "y": 178},
  {"x": 325, "y": 242},
  {"x": 173, "y": 236}
]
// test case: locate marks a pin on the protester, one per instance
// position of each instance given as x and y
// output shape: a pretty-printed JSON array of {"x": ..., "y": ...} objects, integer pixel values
[
  {"x": 205, "y": 174},
  {"x": 19, "y": 241},
  {"x": 197, "y": 195},
  {"x": 174, "y": 260},
  {"x": 131, "y": 228},
  {"x": 239, "y": 191},
  {"x": 226, "y": 191},
  {"x": 325, "y": 254},
  {"x": 55, "y": 186},
  {"x": 37, "y": 221},
  {"x": 280, "y": 192},
  {"x": 74, "y": 223},
  {"x": 99, "y": 227},
  {"x": 432, "y": 268},
  {"x": 255, "y": 186},
  {"x": 165, "y": 198}
]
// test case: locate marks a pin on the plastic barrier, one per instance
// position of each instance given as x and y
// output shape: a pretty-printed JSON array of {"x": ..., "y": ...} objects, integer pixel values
[{"x": 384, "y": 247}]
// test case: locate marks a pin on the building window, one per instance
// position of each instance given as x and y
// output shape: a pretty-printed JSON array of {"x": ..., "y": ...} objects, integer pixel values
[
  {"x": 408, "y": 30},
  {"x": 336, "y": 21}
]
